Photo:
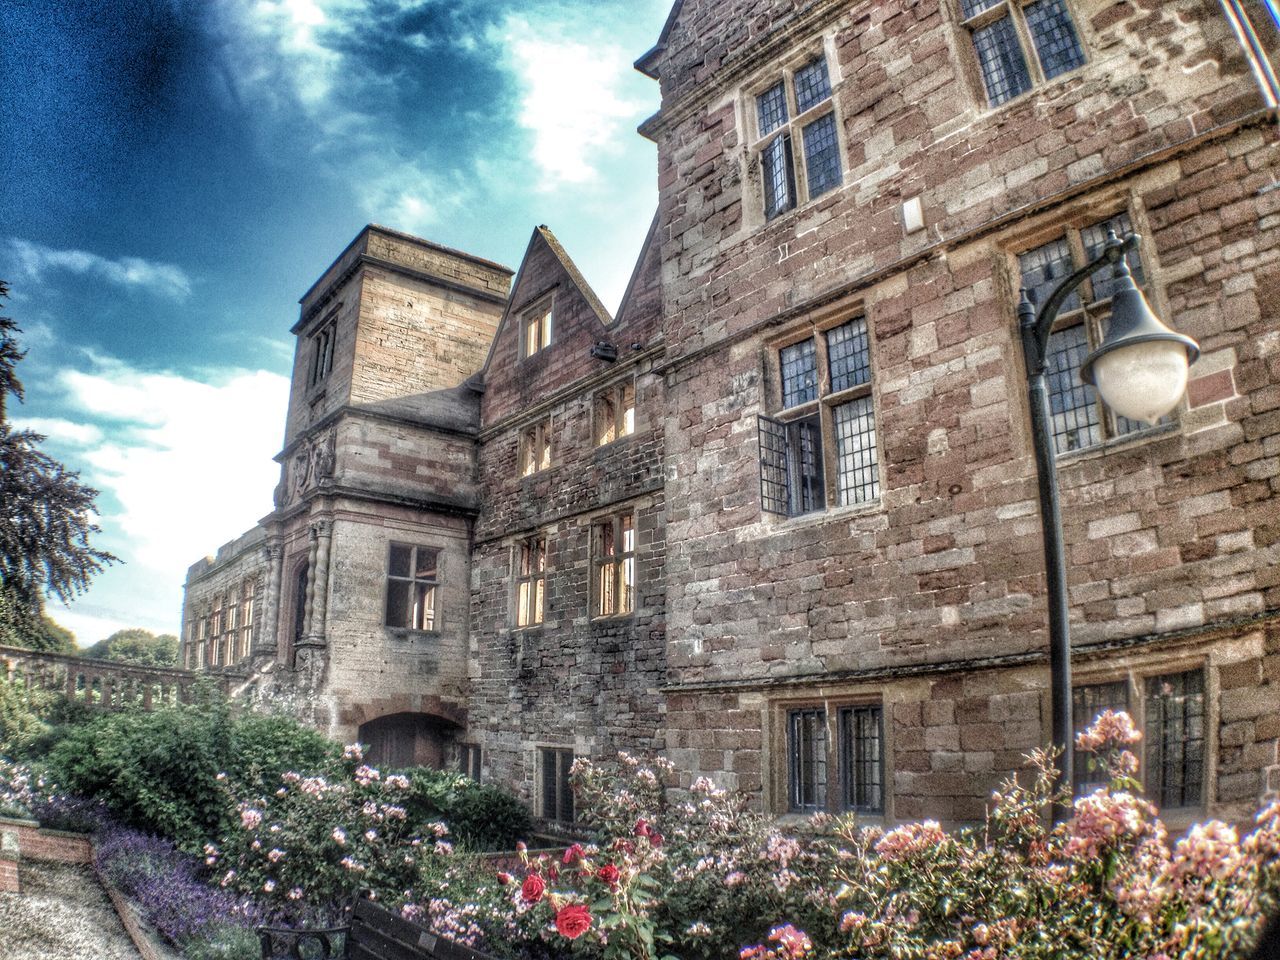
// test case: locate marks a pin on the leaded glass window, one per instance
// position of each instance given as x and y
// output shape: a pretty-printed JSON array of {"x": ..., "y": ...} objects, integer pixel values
[
  {"x": 531, "y": 582},
  {"x": 412, "y": 579},
  {"x": 799, "y": 373},
  {"x": 556, "y": 793},
  {"x": 1019, "y": 44},
  {"x": 807, "y": 759},
  {"x": 1175, "y": 738},
  {"x": 862, "y": 758},
  {"x": 1079, "y": 419},
  {"x": 796, "y": 113},
  {"x": 614, "y": 556},
  {"x": 1088, "y": 701},
  {"x": 857, "y": 467},
  {"x": 1004, "y": 68},
  {"x": 836, "y": 440}
]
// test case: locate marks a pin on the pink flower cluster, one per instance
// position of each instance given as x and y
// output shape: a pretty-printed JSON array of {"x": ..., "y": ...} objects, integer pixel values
[
  {"x": 1210, "y": 851},
  {"x": 791, "y": 944},
  {"x": 1103, "y": 820},
  {"x": 1111, "y": 729},
  {"x": 911, "y": 840}
]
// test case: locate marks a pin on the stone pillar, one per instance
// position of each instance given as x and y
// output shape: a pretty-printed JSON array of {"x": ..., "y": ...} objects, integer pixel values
[
  {"x": 312, "y": 549},
  {"x": 311, "y": 660},
  {"x": 266, "y": 640},
  {"x": 320, "y": 596}
]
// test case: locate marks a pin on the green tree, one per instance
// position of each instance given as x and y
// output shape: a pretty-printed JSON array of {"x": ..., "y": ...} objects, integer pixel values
[
  {"x": 136, "y": 645},
  {"x": 45, "y": 519}
]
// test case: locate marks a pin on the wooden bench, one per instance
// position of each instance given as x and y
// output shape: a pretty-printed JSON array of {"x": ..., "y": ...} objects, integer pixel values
[{"x": 373, "y": 933}]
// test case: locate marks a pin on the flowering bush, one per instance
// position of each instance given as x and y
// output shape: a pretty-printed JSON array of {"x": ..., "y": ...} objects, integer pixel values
[
  {"x": 701, "y": 877},
  {"x": 27, "y": 794},
  {"x": 1104, "y": 885},
  {"x": 480, "y": 815},
  {"x": 307, "y": 846}
]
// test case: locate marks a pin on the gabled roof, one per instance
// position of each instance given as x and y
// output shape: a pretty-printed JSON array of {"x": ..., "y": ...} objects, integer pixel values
[
  {"x": 635, "y": 271},
  {"x": 575, "y": 274},
  {"x": 543, "y": 234},
  {"x": 646, "y": 62}
]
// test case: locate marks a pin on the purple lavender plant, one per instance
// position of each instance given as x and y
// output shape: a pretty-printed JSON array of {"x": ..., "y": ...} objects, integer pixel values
[{"x": 167, "y": 886}]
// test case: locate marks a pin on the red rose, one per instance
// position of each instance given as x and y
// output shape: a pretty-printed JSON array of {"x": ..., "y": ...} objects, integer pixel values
[
  {"x": 573, "y": 921},
  {"x": 553, "y": 872},
  {"x": 503, "y": 877},
  {"x": 609, "y": 874},
  {"x": 641, "y": 828},
  {"x": 532, "y": 889},
  {"x": 573, "y": 853},
  {"x": 655, "y": 838}
]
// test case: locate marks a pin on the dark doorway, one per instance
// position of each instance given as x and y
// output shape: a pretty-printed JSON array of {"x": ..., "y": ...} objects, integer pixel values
[{"x": 405, "y": 740}]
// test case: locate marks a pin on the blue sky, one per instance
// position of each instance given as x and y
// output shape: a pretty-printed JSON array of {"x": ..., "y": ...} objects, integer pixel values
[{"x": 175, "y": 173}]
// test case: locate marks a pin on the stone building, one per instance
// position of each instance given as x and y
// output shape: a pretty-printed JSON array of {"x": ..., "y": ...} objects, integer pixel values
[{"x": 778, "y": 518}]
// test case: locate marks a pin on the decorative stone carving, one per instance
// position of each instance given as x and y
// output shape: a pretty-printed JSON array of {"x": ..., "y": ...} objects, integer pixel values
[{"x": 311, "y": 464}]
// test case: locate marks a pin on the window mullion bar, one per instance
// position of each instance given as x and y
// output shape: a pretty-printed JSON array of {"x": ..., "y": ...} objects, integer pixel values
[{"x": 1029, "y": 52}]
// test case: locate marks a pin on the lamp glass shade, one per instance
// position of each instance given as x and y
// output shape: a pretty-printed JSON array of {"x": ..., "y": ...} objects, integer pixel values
[{"x": 1143, "y": 380}]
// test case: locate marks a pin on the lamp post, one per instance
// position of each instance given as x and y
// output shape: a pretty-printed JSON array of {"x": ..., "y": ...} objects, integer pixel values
[{"x": 1140, "y": 369}]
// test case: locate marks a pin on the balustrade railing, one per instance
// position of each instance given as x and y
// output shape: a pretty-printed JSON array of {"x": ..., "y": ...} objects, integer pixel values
[{"x": 106, "y": 684}]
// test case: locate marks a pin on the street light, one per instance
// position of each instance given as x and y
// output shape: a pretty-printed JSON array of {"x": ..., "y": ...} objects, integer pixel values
[{"x": 1140, "y": 369}]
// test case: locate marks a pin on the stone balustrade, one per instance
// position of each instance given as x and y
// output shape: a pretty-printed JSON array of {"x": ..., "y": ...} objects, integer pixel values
[{"x": 105, "y": 684}]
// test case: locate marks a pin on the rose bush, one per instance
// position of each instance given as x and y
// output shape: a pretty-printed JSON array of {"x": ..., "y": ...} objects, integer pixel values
[
  {"x": 306, "y": 846},
  {"x": 706, "y": 878}
]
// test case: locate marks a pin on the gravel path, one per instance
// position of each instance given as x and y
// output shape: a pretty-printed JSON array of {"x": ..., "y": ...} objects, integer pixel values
[{"x": 61, "y": 914}]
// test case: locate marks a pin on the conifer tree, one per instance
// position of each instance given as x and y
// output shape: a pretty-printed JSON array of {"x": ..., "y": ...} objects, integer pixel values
[{"x": 45, "y": 518}]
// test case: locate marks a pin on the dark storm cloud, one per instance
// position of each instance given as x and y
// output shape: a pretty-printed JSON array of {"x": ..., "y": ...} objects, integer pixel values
[{"x": 429, "y": 75}]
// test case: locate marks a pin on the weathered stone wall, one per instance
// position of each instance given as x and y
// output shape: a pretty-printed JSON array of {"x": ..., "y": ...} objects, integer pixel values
[
  {"x": 411, "y": 317},
  {"x": 952, "y": 737},
  {"x": 1173, "y": 530},
  {"x": 240, "y": 561},
  {"x": 373, "y": 668},
  {"x": 575, "y": 681}
]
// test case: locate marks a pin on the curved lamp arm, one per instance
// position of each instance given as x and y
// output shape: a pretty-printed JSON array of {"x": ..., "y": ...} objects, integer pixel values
[{"x": 1037, "y": 325}]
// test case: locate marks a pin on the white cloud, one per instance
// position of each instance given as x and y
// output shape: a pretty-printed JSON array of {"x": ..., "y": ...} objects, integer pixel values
[
  {"x": 572, "y": 100},
  {"x": 61, "y": 431},
  {"x": 183, "y": 464},
  {"x": 34, "y": 260}
]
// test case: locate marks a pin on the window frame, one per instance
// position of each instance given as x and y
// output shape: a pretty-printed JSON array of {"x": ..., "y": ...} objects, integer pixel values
[
  {"x": 533, "y": 448},
  {"x": 835, "y": 785},
  {"x": 413, "y": 581},
  {"x": 1090, "y": 313},
  {"x": 539, "y": 316},
  {"x": 231, "y": 634},
  {"x": 617, "y": 394},
  {"x": 1137, "y": 682},
  {"x": 791, "y": 130},
  {"x": 556, "y": 762},
  {"x": 1015, "y": 11},
  {"x": 615, "y": 565},
  {"x": 215, "y": 632},
  {"x": 470, "y": 760},
  {"x": 531, "y": 577},
  {"x": 321, "y": 343},
  {"x": 820, "y": 417},
  {"x": 248, "y": 591}
]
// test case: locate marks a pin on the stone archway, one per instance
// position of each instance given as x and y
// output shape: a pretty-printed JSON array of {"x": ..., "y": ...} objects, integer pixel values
[{"x": 406, "y": 740}]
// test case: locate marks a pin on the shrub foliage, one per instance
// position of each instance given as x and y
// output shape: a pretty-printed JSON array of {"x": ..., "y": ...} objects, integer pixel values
[
  {"x": 706, "y": 878},
  {"x": 159, "y": 771}
]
